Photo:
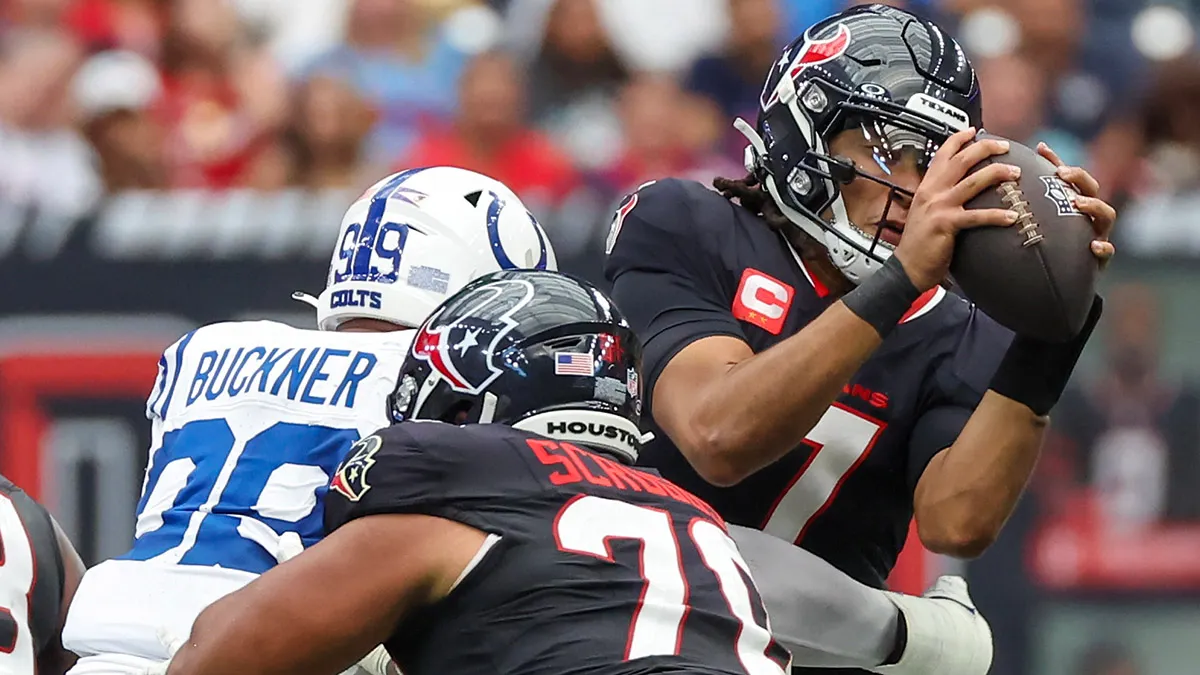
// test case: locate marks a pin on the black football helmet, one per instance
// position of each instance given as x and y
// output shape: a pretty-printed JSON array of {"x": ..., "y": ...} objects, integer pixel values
[
  {"x": 536, "y": 350},
  {"x": 899, "y": 79}
]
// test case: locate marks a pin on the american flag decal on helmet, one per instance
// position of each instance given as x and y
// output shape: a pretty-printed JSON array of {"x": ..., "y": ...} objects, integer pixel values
[{"x": 573, "y": 363}]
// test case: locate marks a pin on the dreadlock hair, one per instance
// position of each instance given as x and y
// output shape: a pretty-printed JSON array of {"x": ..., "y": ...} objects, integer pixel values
[{"x": 748, "y": 192}]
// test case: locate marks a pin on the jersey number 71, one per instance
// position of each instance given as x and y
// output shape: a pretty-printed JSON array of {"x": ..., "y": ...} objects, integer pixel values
[{"x": 587, "y": 523}]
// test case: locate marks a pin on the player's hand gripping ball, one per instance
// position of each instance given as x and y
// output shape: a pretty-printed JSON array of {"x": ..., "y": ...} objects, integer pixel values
[{"x": 1038, "y": 276}]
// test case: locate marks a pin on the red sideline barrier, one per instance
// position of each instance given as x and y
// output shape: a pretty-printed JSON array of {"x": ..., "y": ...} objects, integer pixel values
[
  {"x": 27, "y": 381},
  {"x": 1079, "y": 552}
]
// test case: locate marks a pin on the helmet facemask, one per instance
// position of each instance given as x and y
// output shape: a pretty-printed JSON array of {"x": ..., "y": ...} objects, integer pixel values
[
  {"x": 807, "y": 185},
  {"x": 892, "y": 149}
]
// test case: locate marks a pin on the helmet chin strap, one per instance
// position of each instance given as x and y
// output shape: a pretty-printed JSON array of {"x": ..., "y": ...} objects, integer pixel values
[{"x": 307, "y": 299}]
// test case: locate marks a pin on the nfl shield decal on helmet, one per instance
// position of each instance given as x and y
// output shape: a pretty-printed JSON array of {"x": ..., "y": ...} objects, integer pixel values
[
  {"x": 350, "y": 481},
  {"x": 1062, "y": 194},
  {"x": 448, "y": 344}
]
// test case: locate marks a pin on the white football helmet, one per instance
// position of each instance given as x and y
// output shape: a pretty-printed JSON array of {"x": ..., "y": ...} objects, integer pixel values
[{"x": 416, "y": 237}]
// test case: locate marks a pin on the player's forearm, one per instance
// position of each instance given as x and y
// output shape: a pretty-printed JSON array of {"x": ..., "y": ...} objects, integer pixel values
[
  {"x": 213, "y": 647},
  {"x": 969, "y": 490},
  {"x": 764, "y": 406},
  {"x": 252, "y": 635},
  {"x": 270, "y": 625}
]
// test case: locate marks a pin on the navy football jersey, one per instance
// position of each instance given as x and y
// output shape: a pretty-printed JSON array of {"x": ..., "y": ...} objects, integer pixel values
[
  {"x": 686, "y": 264},
  {"x": 600, "y": 568},
  {"x": 31, "y": 581}
]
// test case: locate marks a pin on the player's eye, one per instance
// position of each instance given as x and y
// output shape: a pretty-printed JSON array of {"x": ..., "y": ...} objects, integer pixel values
[{"x": 893, "y": 148}]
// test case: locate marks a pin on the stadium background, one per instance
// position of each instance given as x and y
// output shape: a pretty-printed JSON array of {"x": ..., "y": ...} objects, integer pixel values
[{"x": 165, "y": 163}]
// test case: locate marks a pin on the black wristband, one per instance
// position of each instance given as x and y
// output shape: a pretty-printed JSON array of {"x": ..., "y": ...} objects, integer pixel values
[
  {"x": 1036, "y": 373},
  {"x": 883, "y": 298}
]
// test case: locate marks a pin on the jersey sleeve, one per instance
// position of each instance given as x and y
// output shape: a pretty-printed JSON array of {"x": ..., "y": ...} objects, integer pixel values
[
  {"x": 667, "y": 271},
  {"x": 402, "y": 469},
  {"x": 169, "y": 365},
  {"x": 959, "y": 382}
]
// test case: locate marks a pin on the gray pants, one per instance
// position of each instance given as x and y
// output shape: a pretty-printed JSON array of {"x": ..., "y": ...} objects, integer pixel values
[{"x": 823, "y": 616}]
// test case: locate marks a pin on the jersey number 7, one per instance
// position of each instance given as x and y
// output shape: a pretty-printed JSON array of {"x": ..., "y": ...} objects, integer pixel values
[
  {"x": 841, "y": 441},
  {"x": 587, "y": 523}
]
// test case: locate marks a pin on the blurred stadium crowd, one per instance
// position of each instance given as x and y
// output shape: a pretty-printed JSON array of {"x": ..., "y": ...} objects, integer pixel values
[
  {"x": 574, "y": 102},
  {"x": 562, "y": 99}
]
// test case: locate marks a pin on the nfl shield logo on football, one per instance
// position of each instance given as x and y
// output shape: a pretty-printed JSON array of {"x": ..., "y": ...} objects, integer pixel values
[{"x": 1062, "y": 194}]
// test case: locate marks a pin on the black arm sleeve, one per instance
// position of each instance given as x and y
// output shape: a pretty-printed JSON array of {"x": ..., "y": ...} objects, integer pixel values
[
  {"x": 667, "y": 269},
  {"x": 959, "y": 382}
]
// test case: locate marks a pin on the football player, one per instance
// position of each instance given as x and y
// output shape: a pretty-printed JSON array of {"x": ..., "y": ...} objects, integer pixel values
[
  {"x": 531, "y": 545},
  {"x": 806, "y": 373},
  {"x": 39, "y": 572},
  {"x": 251, "y": 418}
]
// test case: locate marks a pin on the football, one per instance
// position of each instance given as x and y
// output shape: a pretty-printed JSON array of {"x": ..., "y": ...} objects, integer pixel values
[{"x": 1038, "y": 276}]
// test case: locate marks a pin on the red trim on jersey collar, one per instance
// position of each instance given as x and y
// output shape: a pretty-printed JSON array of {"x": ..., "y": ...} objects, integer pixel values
[
  {"x": 927, "y": 301},
  {"x": 820, "y": 288}
]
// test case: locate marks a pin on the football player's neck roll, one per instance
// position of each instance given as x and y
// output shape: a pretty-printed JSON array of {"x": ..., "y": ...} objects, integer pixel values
[{"x": 748, "y": 192}]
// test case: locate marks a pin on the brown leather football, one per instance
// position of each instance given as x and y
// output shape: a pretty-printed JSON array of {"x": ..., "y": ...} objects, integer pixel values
[{"x": 1037, "y": 277}]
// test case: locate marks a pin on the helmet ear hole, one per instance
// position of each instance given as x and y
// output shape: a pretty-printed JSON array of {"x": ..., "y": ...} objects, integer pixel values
[
  {"x": 459, "y": 413},
  {"x": 473, "y": 197}
]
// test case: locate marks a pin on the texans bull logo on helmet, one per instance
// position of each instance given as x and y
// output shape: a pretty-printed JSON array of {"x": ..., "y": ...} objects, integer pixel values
[
  {"x": 811, "y": 53},
  {"x": 351, "y": 478},
  {"x": 446, "y": 341}
]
